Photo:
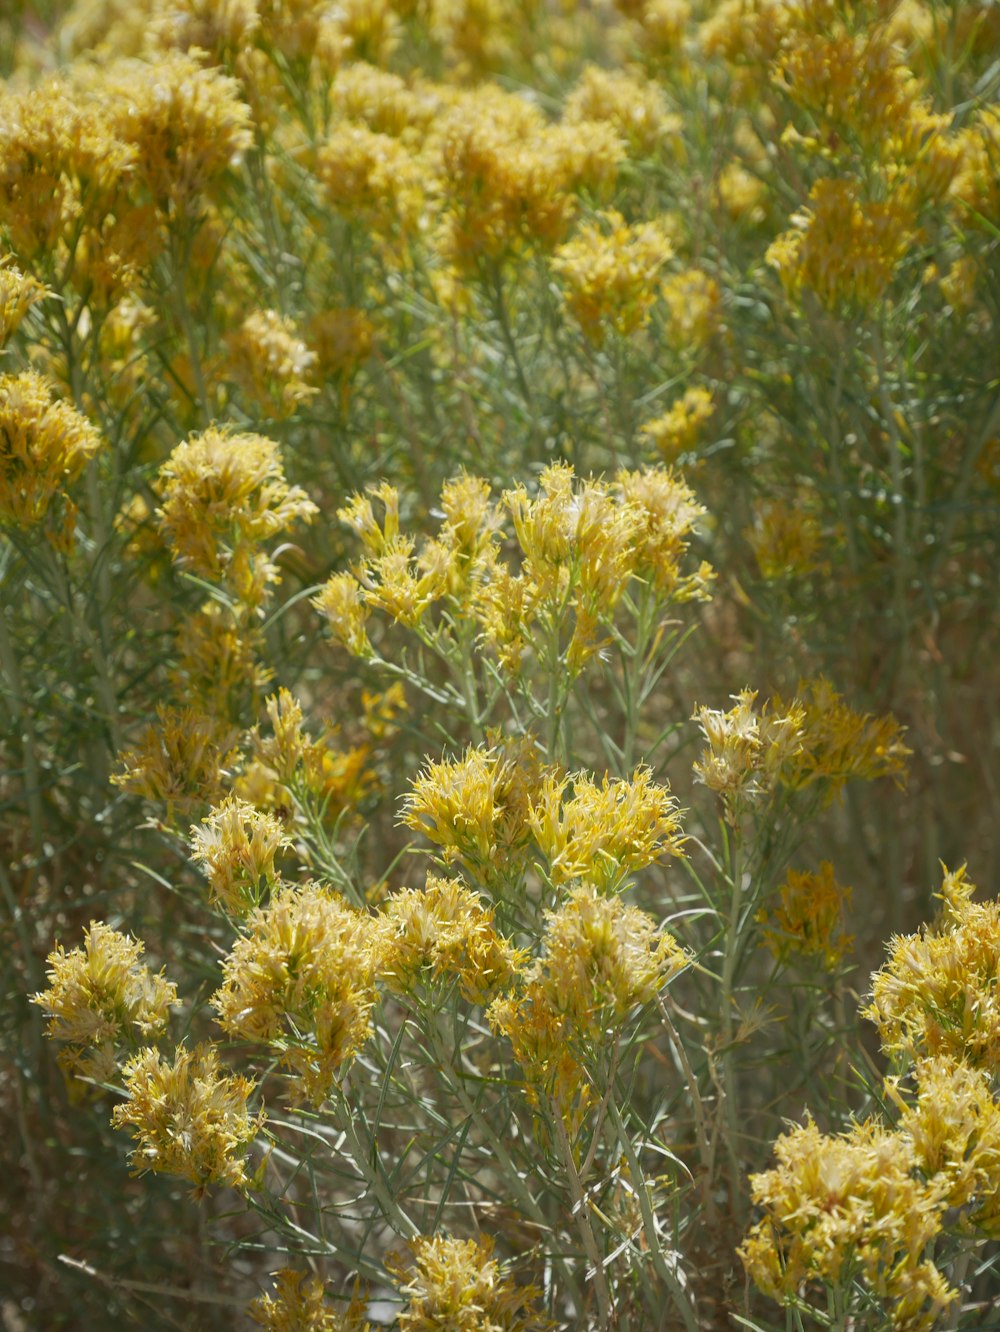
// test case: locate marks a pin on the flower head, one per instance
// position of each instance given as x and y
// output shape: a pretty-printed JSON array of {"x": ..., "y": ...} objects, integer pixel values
[
  {"x": 300, "y": 979},
  {"x": 44, "y": 446},
  {"x": 188, "y": 1117},
  {"x": 458, "y": 1285},
  {"x": 100, "y": 997}
]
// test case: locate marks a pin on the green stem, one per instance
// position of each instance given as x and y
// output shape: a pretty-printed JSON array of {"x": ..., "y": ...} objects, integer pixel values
[{"x": 581, "y": 1213}]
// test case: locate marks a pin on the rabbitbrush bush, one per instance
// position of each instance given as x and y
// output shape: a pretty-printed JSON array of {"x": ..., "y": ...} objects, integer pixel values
[{"x": 499, "y": 518}]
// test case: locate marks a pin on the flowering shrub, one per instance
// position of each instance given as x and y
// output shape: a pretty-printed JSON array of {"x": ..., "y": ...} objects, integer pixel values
[{"x": 499, "y": 513}]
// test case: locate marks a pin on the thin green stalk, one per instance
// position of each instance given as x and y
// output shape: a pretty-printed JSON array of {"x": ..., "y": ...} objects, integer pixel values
[
  {"x": 11, "y": 668},
  {"x": 581, "y": 1213}
]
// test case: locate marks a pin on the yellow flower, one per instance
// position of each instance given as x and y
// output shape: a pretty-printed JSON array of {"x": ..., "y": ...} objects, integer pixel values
[
  {"x": 809, "y": 918},
  {"x": 182, "y": 759},
  {"x": 666, "y": 512},
  {"x": 223, "y": 495},
  {"x": 18, "y": 293},
  {"x": 601, "y": 960},
  {"x": 634, "y": 105},
  {"x": 371, "y": 177},
  {"x": 840, "y": 745},
  {"x": 602, "y": 834},
  {"x": 843, "y": 248},
  {"x": 476, "y": 808},
  {"x": 747, "y": 750},
  {"x": 446, "y": 928},
  {"x": 271, "y": 362},
  {"x": 677, "y": 430},
  {"x": 694, "y": 302},
  {"x": 187, "y": 124},
  {"x": 458, "y": 1285},
  {"x": 44, "y": 446},
  {"x": 217, "y": 666},
  {"x": 301, "y": 980},
  {"x": 608, "y": 270},
  {"x": 101, "y": 997},
  {"x": 297, "y": 1305},
  {"x": 188, "y": 1117},
  {"x": 237, "y": 844},
  {"x": 937, "y": 992},
  {"x": 786, "y": 539},
  {"x": 341, "y": 603},
  {"x": 840, "y": 1207}
]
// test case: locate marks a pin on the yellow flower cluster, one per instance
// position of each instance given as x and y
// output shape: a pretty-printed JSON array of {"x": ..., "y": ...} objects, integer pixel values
[
  {"x": 271, "y": 362},
  {"x": 477, "y": 809},
  {"x": 786, "y": 540},
  {"x": 581, "y": 546},
  {"x": 676, "y": 432},
  {"x": 224, "y": 495},
  {"x": 100, "y": 998},
  {"x": 458, "y": 1284},
  {"x": 844, "y": 249},
  {"x": 297, "y": 1305},
  {"x": 301, "y": 980},
  {"x": 180, "y": 760},
  {"x": 808, "y": 918},
  {"x": 815, "y": 737},
  {"x": 609, "y": 271},
  {"x": 747, "y": 750},
  {"x": 937, "y": 993},
  {"x": 188, "y": 1117},
  {"x": 602, "y": 834},
  {"x": 601, "y": 960},
  {"x": 634, "y": 106},
  {"x": 237, "y": 845},
  {"x": 44, "y": 446},
  {"x": 444, "y": 928},
  {"x": 18, "y": 293},
  {"x": 840, "y": 1207}
]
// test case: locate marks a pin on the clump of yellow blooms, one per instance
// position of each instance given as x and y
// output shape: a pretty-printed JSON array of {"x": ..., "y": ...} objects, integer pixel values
[
  {"x": 180, "y": 760},
  {"x": 271, "y": 362},
  {"x": 582, "y": 545},
  {"x": 186, "y": 122},
  {"x": 188, "y": 1117},
  {"x": 808, "y": 918},
  {"x": 937, "y": 993},
  {"x": 845, "y": 1206},
  {"x": 634, "y": 106},
  {"x": 677, "y": 430},
  {"x": 747, "y": 750},
  {"x": 601, "y": 960},
  {"x": 841, "y": 745},
  {"x": 100, "y": 998},
  {"x": 602, "y": 834},
  {"x": 289, "y": 760},
  {"x": 298, "y": 1305},
  {"x": 694, "y": 303},
  {"x": 44, "y": 446},
  {"x": 459, "y": 1285},
  {"x": 236, "y": 844},
  {"x": 608, "y": 271},
  {"x": 843, "y": 248},
  {"x": 223, "y": 495},
  {"x": 301, "y": 980},
  {"x": 815, "y": 737},
  {"x": 444, "y": 928},
  {"x": 18, "y": 293},
  {"x": 477, "y": 809},
  {"x": 786, "y": 540},
  {"x": 372, "y": 177}
]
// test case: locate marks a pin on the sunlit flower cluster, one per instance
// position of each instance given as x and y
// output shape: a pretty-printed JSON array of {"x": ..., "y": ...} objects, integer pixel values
[
  {"x": 101, "y": 999},
  {"x": 458, "y": 1284},
  {"x": 188, "y": 1117},
  {"x": 300, "y": 980}
]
